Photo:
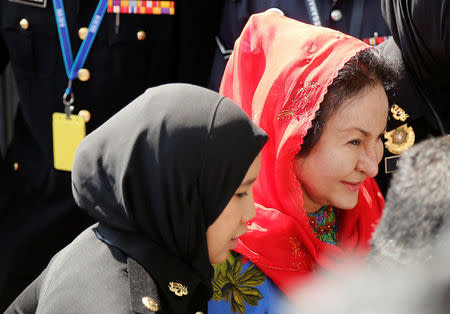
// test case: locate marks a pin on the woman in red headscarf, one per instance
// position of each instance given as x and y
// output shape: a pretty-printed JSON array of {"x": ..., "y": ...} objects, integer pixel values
[{"x": 320, "y": 96}]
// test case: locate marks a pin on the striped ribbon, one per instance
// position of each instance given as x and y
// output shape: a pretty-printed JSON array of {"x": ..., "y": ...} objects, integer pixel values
[{"x": 141, "y": 7}]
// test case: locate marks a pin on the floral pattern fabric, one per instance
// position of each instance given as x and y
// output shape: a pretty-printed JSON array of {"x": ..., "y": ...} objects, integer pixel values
[
  {"x": 324, "y": 225},
  {"x": 240, "y": 287}
]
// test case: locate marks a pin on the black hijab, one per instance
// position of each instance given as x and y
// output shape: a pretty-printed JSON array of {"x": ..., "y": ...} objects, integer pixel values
[
  {"x": 159, "y": 173},
  {"x": 421, "y": 30}
]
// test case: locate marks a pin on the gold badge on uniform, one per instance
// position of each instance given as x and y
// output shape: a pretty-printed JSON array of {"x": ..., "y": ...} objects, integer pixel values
[
  {"x": 151, "y": 304},
  {"x": 178, "y": 288},
  {"x": 398, "y": 113},
  {"x": 400, "y": 139}
]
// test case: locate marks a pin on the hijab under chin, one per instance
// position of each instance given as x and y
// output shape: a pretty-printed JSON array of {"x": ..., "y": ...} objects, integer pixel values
[{"x": 160, "y": 171}]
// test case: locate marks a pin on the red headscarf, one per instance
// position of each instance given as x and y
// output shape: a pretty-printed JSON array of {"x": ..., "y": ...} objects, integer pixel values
[{"x": 278, "y": 73}]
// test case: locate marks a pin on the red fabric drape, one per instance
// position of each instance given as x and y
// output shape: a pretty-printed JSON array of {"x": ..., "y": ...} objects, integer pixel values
[{"x": 278, "y": 73}]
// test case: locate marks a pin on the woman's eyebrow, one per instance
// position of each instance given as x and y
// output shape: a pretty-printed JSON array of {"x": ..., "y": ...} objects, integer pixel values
[
  {"x": 248, "y": 182},
  {"x": 364, "y": 132}
]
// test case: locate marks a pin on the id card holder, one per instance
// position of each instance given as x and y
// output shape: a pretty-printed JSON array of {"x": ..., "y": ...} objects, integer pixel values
[{"x": 67, "y": 135}]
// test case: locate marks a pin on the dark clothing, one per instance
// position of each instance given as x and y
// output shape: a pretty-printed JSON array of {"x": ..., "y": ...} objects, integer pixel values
[
  {"x": 38, "y": 214},
  {"x": 360, "y": 18},
  {"x": 421, "y": 50},
  {"x": 184, "y": 151},
  {"x": 156, "y": 176},
  {"x": 422, "y": 32},
  {"x": 99, "y": 275}
]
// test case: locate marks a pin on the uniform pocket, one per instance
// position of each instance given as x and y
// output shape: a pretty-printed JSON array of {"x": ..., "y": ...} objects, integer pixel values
[
  {"x": 31, "y": 39},
  {"x": 143, "y": 28}
]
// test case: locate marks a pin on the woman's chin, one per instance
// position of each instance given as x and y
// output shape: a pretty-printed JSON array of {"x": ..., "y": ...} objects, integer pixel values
[{"x": 346, "y": 203}]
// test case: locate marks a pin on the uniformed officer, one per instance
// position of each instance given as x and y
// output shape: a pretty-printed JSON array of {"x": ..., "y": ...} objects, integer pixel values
[
  {"x": 420, "y": 102},
  {"x": 359, "y": 18},
  {"x": 138, "y": 44}
]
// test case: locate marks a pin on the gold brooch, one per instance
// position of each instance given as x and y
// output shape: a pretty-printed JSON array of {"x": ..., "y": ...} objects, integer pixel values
[
  {"x": 399, "y": 139},
  {"x": 398, "y": 113},
  {"x": 150, "y": 304},
  {"x": 178, "y": 288}
]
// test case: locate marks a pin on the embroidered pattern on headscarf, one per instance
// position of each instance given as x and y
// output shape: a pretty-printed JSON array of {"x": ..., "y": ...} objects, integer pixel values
[
  {"x": 296, "y": 106},
  {"x": 300, "y": 254}
]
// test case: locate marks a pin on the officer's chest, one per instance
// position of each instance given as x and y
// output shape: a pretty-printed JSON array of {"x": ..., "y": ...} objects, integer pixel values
[{"x": 31, "y": 35}]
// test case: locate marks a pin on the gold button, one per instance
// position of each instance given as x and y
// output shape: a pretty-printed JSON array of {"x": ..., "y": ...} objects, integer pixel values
[
  {"x": 150, "y": 304},
  {"x": 141, "y": 35},
  {"x": 82, "y": 32},
  {"x": 16, "y": 166},
  {"x": 86, "y": 115},
  {"x": 84, "y": 75},
  {"x": 24, "y": 24}
]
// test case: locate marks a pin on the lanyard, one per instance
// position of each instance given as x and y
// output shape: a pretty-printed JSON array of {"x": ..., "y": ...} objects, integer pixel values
[
  {"x": 313, "y": 13},
  {"x": 71, "y": 66}
]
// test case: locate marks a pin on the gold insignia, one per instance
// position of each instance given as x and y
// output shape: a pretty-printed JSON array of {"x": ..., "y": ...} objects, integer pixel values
[
  {"x": 398, "y": 113},
  {"x": 150, "y": 304},
  {"x": 399, "y": 139},
  {"x": 178, "y": 288}
]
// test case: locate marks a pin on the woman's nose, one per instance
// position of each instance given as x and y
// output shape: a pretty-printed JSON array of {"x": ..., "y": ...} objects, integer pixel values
[{"x": 368, "y": 163}]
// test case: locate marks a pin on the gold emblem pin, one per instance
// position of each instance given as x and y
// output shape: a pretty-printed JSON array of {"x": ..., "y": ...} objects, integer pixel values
[
  {"x": 400, "y": 139},
  {"x": 150, "y": 304},
  {"x": 398, "y": 113},
  {"x": 178, "y": 288}
]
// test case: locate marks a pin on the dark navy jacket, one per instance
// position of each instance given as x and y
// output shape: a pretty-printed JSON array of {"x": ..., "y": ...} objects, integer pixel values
[
  {"x": 37, "y": 213},
  {"x": 359, "y": 18}
]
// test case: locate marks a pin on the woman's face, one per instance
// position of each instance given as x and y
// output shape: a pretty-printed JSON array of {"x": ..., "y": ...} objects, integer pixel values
[
  {"x": 222, "y": 235},
  {"x": 348, "y": 152}
]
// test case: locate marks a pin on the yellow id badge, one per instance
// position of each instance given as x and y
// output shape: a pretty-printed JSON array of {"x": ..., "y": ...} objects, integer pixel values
[{"x": 67, "y": 135}]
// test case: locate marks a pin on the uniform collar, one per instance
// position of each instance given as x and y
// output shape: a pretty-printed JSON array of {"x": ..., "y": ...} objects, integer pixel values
[
  {"x": 168, "y": 281},
  {"x": 412, "y": 102}
]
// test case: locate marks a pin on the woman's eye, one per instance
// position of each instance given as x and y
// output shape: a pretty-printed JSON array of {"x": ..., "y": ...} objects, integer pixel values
[
  {"x": 354, "y": 142},
  {"x": 241, "y": 195}
]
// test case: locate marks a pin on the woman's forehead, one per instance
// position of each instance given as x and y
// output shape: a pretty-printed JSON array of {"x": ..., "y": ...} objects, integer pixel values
[{"x": 366, "y": 110}]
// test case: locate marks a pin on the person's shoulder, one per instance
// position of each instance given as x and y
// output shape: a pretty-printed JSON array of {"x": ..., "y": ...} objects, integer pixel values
[
  {"x": 88, "y": 273},
  {"x": 144, "y": 297}
]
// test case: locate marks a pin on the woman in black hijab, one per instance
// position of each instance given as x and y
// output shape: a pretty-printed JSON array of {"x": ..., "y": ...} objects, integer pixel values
[
  {"x": 420, "y": 43},
  {"x": 157, "y": 176}
]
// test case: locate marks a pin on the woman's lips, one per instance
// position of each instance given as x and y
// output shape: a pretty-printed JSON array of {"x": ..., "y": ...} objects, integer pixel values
[{"x": 352, "y": 186}]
